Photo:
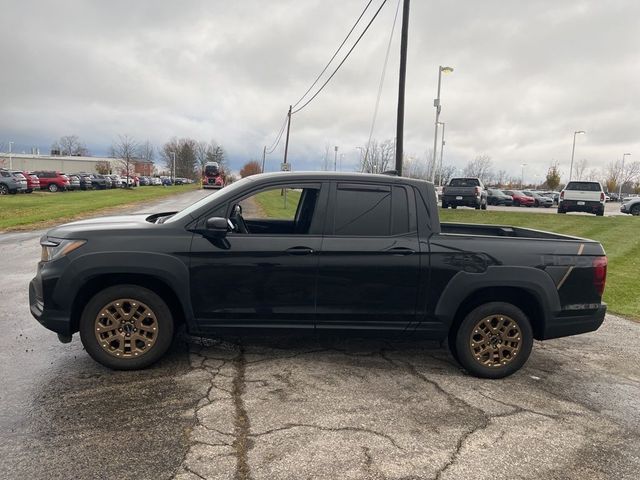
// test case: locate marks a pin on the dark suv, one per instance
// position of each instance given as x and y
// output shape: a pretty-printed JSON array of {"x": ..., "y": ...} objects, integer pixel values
[{"x": 12, "y": 182}]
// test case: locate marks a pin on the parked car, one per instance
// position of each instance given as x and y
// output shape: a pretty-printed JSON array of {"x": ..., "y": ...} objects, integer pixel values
[
  {"x": 116, "y": 181},
  {"x": 12, "y": 182},
  {"x": 166, "y": 181},
  {"x": 581, "y": 196},
  {"x": 108, "y": 183},
  {"x": 539, "y": 200},
  {"x": 144, "y": 181},
  {"x": 498, "y": 197},
  {"x": 358, "y": 254},
  {"x": 131, "y": 181},
  {"x": 631, "y": 206},
  {"x": 519, "y": 198},
  {"x": 86, "y": 181},
  {"x": 156, "y": 181},
  {"x": 98, "y": 181},
  {"x": 74, "y": 182},
  {"x": 52, "y": 181},
  {"x": 465, "y": 192},
  {"x": 33, "y": 182},
  {"x": 555, "y": 196}
]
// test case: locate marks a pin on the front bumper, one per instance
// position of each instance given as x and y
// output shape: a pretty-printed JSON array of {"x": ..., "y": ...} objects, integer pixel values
[
  {"x": 564, "y": 325},
  {"x": 43, "y": 308}
]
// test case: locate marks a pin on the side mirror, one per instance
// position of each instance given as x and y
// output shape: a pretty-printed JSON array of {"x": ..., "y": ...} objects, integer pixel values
[{"x": 217, "y": 227}]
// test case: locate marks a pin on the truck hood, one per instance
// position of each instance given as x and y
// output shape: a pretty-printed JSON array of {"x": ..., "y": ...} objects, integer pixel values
[{"x": 100, "y": 224}]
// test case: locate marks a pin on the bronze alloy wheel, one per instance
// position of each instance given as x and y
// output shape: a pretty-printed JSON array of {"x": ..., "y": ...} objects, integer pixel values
[
  {"x": 495, "y": 340},
  {"x": 126, "y": 328}
]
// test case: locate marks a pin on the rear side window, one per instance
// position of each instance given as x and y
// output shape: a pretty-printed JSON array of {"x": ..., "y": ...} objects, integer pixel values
[
  {"x": 584, "y": 186},
  {"x": 363, "y": 210},
  {"x": 464, "y": 182}
]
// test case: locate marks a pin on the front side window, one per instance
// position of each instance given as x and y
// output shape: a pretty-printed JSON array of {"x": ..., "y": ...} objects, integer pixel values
[{"x": 279, "y": 210}]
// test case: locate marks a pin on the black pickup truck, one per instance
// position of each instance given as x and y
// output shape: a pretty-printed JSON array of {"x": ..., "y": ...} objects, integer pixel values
[{"x": 351, "y": 252}]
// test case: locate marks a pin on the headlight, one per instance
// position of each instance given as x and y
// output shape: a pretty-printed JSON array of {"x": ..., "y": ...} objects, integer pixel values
[{"x": 53, "y": 248}]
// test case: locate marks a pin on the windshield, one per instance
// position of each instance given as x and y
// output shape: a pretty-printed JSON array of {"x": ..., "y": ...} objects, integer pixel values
[{"x": 208, "y": 199}]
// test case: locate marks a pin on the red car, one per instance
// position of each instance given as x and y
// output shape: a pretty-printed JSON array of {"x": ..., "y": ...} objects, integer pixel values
[
  {"x": 520, "y": 198},
  {"x": 33, "y": 182},
  {"x": 52, "y": 181}
]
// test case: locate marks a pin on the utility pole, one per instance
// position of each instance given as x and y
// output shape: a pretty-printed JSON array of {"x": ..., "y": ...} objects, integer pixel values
[
  {"x": 335, "y": 158},
  {"x": 436, "y": 103},
  {"x": 403, "y": 74},
  {"x": 173, "y": 170},
  {"x": 10, "y": 157},
  {"x": 573, "y": 151},
  {"x": 264, "y": 154},
  {"x": 286, "y": 145},
  {"x": 622, "y": 176}
]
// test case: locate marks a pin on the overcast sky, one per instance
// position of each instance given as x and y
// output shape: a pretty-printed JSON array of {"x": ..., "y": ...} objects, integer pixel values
[{"x": 527, "y": 75}]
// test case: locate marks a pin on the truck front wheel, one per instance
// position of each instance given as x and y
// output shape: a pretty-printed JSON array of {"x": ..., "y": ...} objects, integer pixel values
[
  {"x": 126, "y": 327},
  {"x": 494, "y": 340}
]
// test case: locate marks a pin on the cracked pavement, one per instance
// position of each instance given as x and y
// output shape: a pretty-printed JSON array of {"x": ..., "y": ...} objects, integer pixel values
[{"x": 307, "y": 406}]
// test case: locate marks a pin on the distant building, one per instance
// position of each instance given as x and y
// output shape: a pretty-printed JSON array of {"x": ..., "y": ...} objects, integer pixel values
[
  {"x": 143, "y": 167},
  {"x": 30, "y": 162}
]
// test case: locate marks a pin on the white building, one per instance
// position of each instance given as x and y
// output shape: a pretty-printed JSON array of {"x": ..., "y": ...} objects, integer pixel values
[{"x": 29, "y": 162}]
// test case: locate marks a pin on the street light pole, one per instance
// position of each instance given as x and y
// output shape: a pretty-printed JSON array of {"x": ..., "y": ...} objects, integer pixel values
[
  {"x": 573, "y": 151},
  {"x": 404, "y": 38},
  {"x": 436, "y": 103},
  {"x": 522, "y": 177},
  {"x": 441, "y": 153},
  {"x": 622, "y": 176},
  {"x": 10, "y": 157},
  {"x": 173, "y": 170},
  {"x": 264, "y": 154},
  {"x": 335, "y": 158}
]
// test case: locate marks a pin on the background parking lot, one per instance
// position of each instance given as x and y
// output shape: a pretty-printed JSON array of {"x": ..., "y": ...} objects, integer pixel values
[{"x": 309, "y": 406}]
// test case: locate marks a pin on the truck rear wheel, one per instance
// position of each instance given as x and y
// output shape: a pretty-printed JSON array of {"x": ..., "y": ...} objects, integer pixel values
[
  {"x": 494, "y": 340},
  {"x": 126, "y": 327}
]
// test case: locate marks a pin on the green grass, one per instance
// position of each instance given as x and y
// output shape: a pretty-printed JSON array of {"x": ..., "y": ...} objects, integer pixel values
[
  {"x": 42, "y": 209},
  {"x": 273, "y": 205},
  {"x": 619, "y": 235}
]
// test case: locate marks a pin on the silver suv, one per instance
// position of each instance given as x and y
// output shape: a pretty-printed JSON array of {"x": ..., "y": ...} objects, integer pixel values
[{"x": 12, "y": 182}]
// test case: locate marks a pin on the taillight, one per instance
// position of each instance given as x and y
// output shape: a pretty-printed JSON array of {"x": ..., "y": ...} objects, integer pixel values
[
  {"x": 602, "y": 196},
  {"x": 562, "y": 195},
  {"x": 599, "y": 274},
  {"x": 477, "y": 191}
]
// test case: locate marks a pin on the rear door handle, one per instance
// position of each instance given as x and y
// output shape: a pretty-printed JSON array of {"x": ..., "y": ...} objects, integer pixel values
[
  {"x": 300, "y": 251},
  {"x": 401, "y": 251}
]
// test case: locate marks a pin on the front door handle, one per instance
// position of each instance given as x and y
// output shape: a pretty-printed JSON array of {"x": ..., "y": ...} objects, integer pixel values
[
  {"x": 401, "y": 251},
  {"x": 300, "y": 251}
]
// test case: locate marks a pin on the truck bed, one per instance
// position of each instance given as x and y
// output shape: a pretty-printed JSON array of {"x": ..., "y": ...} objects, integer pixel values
[{"x": 500, "y": 231}]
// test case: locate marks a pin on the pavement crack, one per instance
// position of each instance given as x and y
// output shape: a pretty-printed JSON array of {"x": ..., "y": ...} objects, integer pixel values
[
  {"x": 370, "y": 466},
  {"x": 241, "y": 422},
  {"x": 369, "y": 431}
]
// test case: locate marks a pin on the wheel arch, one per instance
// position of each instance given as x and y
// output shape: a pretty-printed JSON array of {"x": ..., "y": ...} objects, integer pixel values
[
  {"x": 156, "y": 284},
  {"x": 530, "y": 289}
]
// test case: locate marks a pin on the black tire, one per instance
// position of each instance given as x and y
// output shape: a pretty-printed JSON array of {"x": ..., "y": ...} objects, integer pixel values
[
  {"x": 464, "y": 338},
  {"x": 516, "y": 203},
  {"x": 536, "y": 204},
  {"x": 53, "y": 187},
  {"x": 159, "y": 308},
  {"x": 600, "y": 213},
  {"x": 561, "y": 211},
  {"x": 484, "y": 206},
  {"x": 635, "y": 210},
  {"x": 454, "y": 206},
  {"x": 444, "y": 205},
  {"x": 4, "y": 190}
]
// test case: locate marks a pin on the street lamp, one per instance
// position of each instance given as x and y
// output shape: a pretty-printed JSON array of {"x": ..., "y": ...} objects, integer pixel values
[
  {"x": 522, "y": 177},
  {"x": 10, "y": 157},
  {"x": 335, "y": 159},
  {"x": 573, "y": 151},
  {"x": 436, "y": 103},
  {"x": 441, "y": 154},
  {"x": 622, "y": 176}
]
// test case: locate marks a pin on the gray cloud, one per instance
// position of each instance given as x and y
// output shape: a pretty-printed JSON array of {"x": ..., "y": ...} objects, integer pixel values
[{"x": 527, "y": 74}]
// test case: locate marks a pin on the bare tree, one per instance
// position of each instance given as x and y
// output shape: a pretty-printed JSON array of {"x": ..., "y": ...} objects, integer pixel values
[
  {"x": 580, "y": 168},
  {"x": 378, "y": 156},
  {"x": 146, "y": 151},
  {"x": 479, "y": 167},
  {"x": 501, "y": 178},
  {"x": 125, "y": 150},
  {"x": 70, "y": 145}
]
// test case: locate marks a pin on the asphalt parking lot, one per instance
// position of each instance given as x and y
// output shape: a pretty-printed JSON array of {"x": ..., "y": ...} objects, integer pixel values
[{"x": 294, "y": 406}]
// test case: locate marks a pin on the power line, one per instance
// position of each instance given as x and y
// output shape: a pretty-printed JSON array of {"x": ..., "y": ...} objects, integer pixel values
[
  {"x": 334, "y": 55},
  {"x": 278, "y": 137},
  {"x": 384, "y": 71},
  {"x": 343, "y": 60}
]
